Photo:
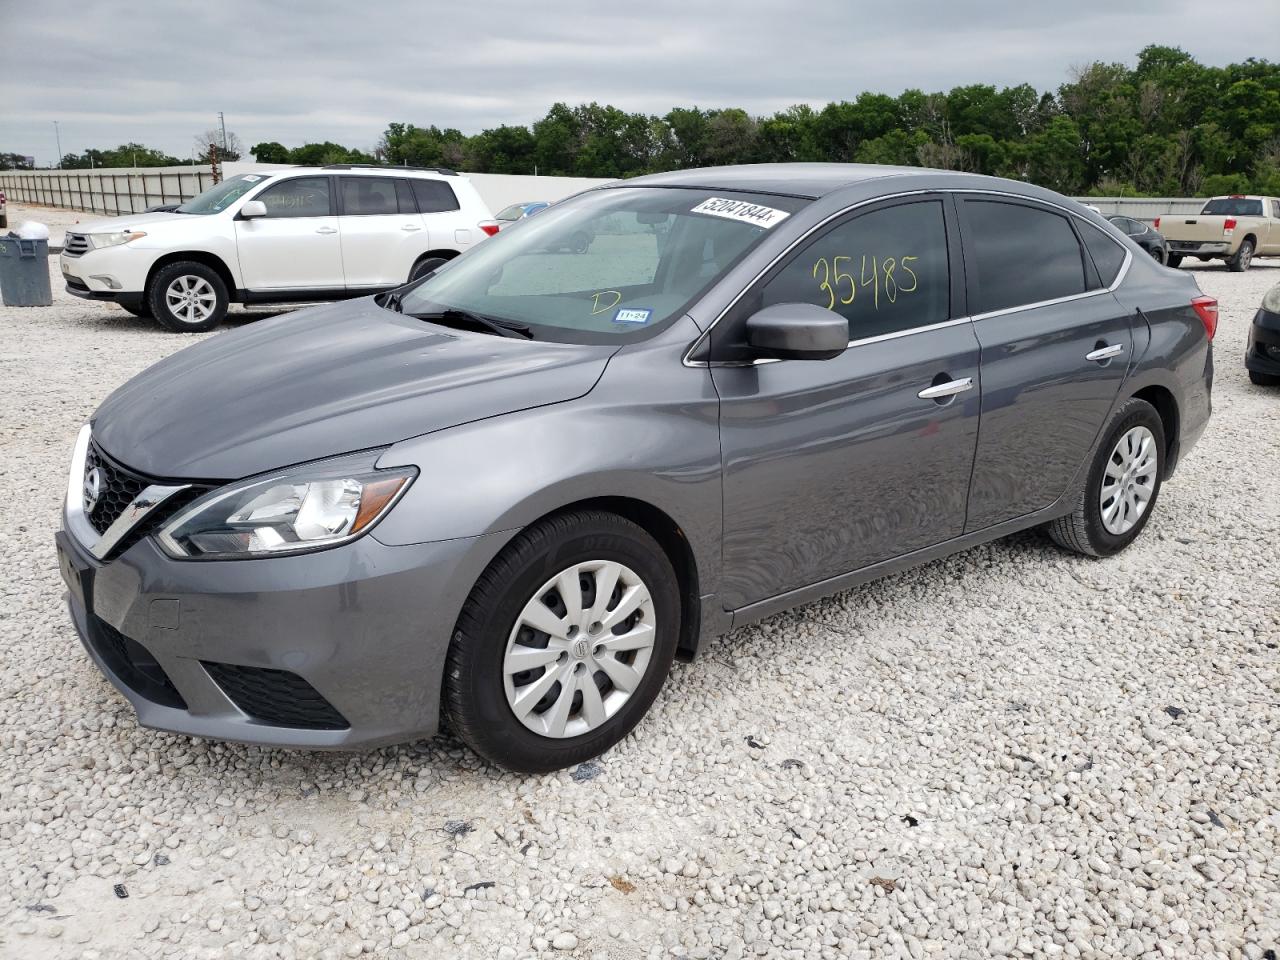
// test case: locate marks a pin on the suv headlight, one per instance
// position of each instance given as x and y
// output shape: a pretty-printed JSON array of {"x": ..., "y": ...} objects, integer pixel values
[
  {"x": 100, "y": 240},
  {"x": 311, "y": 507},
  {"x": 1271, "y": 302}
]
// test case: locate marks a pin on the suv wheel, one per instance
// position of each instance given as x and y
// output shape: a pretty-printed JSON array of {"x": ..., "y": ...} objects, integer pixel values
[
  {"x": 1121, "y": 488},
  {"x": 425, "y": 266},
  {"x": 563, "y": 644},
  {"x": 1239, "y": 262},
  {"x": 187, "y": 297}
]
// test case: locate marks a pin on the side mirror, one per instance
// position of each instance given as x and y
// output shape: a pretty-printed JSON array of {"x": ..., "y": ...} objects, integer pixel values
[
  {"x": 797, "y": 331},
  {"x": 253, "y": 209}
]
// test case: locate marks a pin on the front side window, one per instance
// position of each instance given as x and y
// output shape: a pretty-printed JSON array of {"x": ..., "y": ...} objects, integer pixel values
[
  {"x": 368, "y": 196},
  {"x": 607, "y": 264},
  {"x": 220, "y": 196},
  {"x": 1233, "y": 207},
  {"x": 1020, "y": 254},
  {"x": 884, "y": 271},
  {"x": 299, "y": 197}
]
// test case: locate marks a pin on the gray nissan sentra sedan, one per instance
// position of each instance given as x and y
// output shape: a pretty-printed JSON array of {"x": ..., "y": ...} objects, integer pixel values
[{"x": 511, "y": 492}]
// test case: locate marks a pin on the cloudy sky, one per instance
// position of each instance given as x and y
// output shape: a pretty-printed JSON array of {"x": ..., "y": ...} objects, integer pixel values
[{"x": 159, "y": 72}]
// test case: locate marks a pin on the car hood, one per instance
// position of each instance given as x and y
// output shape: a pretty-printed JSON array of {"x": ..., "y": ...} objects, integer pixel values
[
  {"x": 326, "y": 381},
  {"x": 134, "y": 221}
]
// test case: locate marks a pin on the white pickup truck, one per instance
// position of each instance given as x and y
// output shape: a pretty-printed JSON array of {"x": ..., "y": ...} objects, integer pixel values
[{"x": 1235, "y": 229}]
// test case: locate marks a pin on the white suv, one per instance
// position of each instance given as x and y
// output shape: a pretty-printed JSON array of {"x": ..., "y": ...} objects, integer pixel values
[{"x": 309, "y": 233}]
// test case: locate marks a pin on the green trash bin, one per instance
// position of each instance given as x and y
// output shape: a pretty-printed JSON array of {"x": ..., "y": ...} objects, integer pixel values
[{"x": 24, "y": 272}]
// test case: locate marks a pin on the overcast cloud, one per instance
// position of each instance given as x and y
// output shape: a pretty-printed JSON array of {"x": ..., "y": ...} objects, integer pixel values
[{"x": 158, "y": 73}]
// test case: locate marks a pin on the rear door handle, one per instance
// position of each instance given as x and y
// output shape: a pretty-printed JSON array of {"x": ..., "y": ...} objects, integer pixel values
[
  {"x": 1103, "y": 354},
  {"x": 410, "y": 227},
  {"x": 948, "y": 389},
  {"x": 327, "y": 230}
]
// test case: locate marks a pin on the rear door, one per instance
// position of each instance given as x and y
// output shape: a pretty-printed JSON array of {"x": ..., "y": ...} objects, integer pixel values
[
  {"x": 382, "y": 233},
  {"x": 1055, "y": 348},
  {"x": 296, "y": 246},
  {"x": 439, "y": 207},
  {"x": 833, "y": 465}
]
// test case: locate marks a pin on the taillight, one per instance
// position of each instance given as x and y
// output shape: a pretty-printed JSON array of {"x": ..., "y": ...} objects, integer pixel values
[
  {"x": 1206, "y": 309},
  {"x": 490, "y": 228},
  {"x": 1228, "y": 225},
  {"x": 1156, "y": 224}
]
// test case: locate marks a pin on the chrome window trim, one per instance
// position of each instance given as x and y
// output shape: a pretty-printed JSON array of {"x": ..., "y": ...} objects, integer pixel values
[
  {"x": 973, "y": 318},
  {"x": 78, "y": 524}
]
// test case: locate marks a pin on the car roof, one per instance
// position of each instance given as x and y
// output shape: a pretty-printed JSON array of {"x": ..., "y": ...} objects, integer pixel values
[
  {"x": 808, "y": 180},
  {"x": 428, "y": 173}
]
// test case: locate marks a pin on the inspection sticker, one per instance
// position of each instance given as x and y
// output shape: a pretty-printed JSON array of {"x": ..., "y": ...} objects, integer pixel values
[
  {"x": 633, "y": 315},
  {"x": 249, "y": 178},
  {"x": 743, "y": 212}
]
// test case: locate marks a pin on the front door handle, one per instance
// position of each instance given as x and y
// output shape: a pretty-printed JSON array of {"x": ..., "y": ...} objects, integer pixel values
[
  {"x": 327, "y": 230},
  {"x": 1103, "y": 354},
  {"x": 949, "y": 389}
]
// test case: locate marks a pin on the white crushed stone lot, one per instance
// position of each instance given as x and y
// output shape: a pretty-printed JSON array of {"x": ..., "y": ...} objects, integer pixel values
[{"x": 1012, "y": 752}]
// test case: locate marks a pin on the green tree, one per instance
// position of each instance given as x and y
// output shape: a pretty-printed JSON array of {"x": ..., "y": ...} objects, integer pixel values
[{"x": 270, "y": 152}]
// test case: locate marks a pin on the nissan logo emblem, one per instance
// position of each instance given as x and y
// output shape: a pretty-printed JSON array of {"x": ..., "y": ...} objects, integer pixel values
[{"x": 92, "y": 489}]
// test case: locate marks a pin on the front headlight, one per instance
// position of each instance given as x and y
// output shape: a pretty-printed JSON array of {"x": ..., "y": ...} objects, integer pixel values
[
  {"x": 1271, "y": 302},
  {"x": 304, "y": 508},
  {"x": 100, "y": 240}
]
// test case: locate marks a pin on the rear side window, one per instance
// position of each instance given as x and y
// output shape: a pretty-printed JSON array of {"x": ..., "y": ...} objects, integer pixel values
[
  {"x": 299, "y": 197},
  {"x": 368, "y": 196},
  {"x": 1108, "y": 256},
  {"x": 1020, "y": 255},
  {"x": 884, "y": 271},
  {"x": 434, "y": 196}
]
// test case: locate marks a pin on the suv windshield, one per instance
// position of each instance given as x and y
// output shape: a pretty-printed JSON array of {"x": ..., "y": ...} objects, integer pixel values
[
  {"x": 605, "y": 264},
  {"x": 1234, "y": 207},
  {"x": 221, "y": 195}
]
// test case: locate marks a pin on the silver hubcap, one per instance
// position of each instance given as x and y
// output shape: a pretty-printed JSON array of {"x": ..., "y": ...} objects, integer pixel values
[
  {"x": 579, "y": 649},
  {"x": 191, "y": 299},
  {"x": 1129, "y": 480}
]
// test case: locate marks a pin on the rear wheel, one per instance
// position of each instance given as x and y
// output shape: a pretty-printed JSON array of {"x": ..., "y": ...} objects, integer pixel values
[
  {"x": 1121, "y": 488},
  {"x": 1264, "y": 379},
  {"x": 187, "y": 297},
  {"x": 563, "y": 644},
  {"x": 1240, "y": 260},
  {"x": 425, "y": 266},
  {"x": 1174, "y": 260}
]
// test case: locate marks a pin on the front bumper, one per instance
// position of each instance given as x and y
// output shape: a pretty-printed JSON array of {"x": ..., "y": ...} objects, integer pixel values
[
  {"x": 1262, "y": 355},
  {"x": 341, "y": 648},
  {"x": 113, "y": 274}
]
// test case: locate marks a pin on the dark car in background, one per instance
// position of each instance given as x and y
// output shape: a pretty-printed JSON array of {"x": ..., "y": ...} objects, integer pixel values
[
  {"x": 513, "y": 490},
  {"x": 1262, "y": 356},
  {"x": 1144, "y": 235}
]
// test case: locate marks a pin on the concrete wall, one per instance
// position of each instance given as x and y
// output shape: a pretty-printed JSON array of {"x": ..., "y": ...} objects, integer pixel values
[
  {"x": 1145, "y": 209},
  {"x": 112, "y": 192}
]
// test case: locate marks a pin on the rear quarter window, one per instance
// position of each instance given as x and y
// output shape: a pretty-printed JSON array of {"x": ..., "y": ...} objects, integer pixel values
[
  {"x": 434, "y": 196},
  {"x": 1108, "y": 256}
]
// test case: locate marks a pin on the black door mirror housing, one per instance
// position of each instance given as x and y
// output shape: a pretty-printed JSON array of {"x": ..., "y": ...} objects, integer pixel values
[{"x": 797, "y": 331}]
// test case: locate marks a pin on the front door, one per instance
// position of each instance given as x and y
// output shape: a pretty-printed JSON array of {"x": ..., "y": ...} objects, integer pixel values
[
  {"x": 833, "y": 465},
  {"x": 296, "y": 246},
  {"x": 1056, "y": 345}
]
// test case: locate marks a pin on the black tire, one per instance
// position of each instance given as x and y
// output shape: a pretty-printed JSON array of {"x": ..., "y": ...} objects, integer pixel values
[
  {"x": 1082, "y": 530},
  {"x": 474, "y": 697},
  {"x": 4, "y": 221},
  {"x": 142, "y": 310},
  {"x": 1159, "y": 254},
  {"x": 170, "y": 273},
  {"x": 425, "y": 266},
  {"x": 1239, "y": 261},
  {"x": 1264, "y": 379},
  {"x": 1173, "y": 260}
]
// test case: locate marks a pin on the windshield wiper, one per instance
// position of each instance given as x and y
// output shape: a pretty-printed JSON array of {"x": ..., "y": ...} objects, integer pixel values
[{"x": 502, "y": 328}]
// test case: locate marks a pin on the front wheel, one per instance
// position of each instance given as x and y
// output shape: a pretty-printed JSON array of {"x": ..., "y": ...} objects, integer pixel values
[
  {"x": 563, "y": 644},
  {"x": 187, "y": 297},
  {"x": 1121, "y": 488},
  {"x": 1240, "y": 260},
  {"x": 1173, "y": 260}
]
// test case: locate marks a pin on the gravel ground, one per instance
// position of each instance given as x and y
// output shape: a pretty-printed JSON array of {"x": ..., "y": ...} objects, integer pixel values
[{"x": 1014, "y": 751}]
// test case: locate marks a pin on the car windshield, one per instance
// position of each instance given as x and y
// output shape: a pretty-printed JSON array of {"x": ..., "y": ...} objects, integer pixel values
[
  {"x": 606, "y": 265},
  {"x": 221, "y": 195},
  {"x": 1234, "y": 207}
]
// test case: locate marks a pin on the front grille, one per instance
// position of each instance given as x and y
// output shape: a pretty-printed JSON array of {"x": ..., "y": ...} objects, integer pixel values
[
  {"x": 276, "y": 697},
  {"x": 75, "y": 244},
  {"x": 117, "y": 488},
  {"x": 134, "y": 665}
]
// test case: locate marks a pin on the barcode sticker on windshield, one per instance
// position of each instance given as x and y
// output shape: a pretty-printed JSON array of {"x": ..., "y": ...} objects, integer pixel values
[{"x": 743, "y": 212}]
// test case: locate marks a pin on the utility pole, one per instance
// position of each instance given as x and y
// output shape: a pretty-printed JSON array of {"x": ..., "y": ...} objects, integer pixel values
[
  {"x": 58, "y": 133},
  {"x": 223, "y": 123}
]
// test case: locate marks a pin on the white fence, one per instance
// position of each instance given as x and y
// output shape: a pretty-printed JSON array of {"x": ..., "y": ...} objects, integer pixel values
[{"x": 113, "y": 192}]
